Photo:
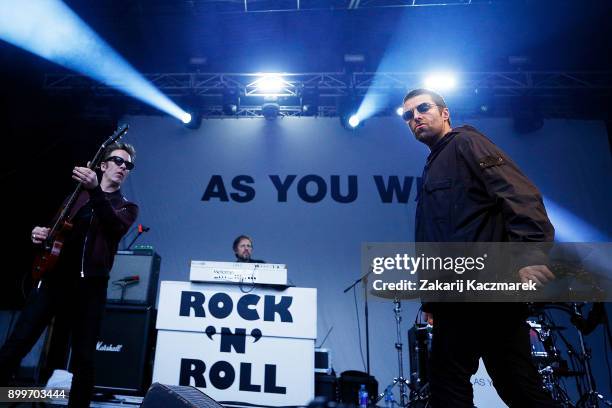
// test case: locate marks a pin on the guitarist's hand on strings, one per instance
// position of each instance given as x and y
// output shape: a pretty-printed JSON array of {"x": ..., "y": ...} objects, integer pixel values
[
  {"x": 86, "y": 176},
  {"x": 39, "y": 234}
]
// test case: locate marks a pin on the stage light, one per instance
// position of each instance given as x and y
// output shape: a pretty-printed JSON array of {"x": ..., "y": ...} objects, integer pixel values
[
  {"x": 348, "y": 109},
  {"x": 270, "y": 110},
  {"x": 231, "y": 101},
  {"x": 351, "y": 121},
  {"x": 440, "y": 81},
  {"x": 400, "y": 111},
  {"x": 354, "y": 121},
  {"x": 50, "y": 29},
  {"x": 192, "y": 120},
  {"x": 270, "y": 84},
  {"x": 310, "y": 102}
]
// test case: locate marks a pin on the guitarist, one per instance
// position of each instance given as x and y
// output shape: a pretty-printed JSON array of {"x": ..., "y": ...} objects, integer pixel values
[{"x": 76, "y": 286}]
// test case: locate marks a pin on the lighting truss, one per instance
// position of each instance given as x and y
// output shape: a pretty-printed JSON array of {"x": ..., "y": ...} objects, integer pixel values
[
  {"x": 198, "y": 7},
  {"x": 340, "y": 84},
  {"x": 330, "y": 86}
]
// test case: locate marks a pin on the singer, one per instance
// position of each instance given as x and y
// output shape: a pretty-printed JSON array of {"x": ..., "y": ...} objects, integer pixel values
[{"x": 76, "y": 287}]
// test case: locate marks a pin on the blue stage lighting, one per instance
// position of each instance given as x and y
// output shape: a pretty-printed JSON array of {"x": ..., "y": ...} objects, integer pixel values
[
  {"x": 400, "y": 111},
  {"x": 270, "y": 84},
  {"x": 354, "y": 121},
  {"x": 50, "y": 29},
  {"x": 441, "y": 81},
  {"x": 186, "y": 118},
  {"x": 571, "y": 228},
  {"x": 192, "y": 120}
]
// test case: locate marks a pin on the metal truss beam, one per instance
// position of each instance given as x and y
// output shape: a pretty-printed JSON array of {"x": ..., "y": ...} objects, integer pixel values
[
  {"x": 204, "y": 91},
  {"x": 199, "y": 7},
  {"x": 335, "y": 84}
]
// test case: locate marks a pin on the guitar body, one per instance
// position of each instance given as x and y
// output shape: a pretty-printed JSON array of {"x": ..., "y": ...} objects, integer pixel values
[{"x": 46, "y": 258}]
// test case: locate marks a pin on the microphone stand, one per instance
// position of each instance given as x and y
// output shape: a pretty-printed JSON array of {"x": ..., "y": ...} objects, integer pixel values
[
  {"x": 123, "y": 286},
  {"x": 364, "y": 279},
  {"x": 140, "y": 232},
  {"x": 591, "y": 398}
]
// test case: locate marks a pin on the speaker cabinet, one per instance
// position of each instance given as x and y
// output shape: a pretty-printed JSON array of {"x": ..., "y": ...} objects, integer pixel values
[
  {"x": 174, "y": 396},
  {"x": 124, "y": 352},
  {"x": 124, "y": 287}
]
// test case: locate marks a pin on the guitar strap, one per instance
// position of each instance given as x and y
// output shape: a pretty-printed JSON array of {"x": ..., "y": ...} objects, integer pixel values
[{"x": 82, "y": 199}]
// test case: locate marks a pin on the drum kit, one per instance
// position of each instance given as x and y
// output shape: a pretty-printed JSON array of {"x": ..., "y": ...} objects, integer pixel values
[{"x": 547, "y": 356}]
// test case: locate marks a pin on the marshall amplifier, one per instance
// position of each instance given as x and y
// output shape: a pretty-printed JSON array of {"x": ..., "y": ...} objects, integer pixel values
[
  {"x": 124, "y": 351},
  {"x": 134, "y": 278}
]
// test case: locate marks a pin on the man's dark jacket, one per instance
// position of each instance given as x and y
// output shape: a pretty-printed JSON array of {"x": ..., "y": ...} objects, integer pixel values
[
  {"x": 471, "y": 191},
  {"x": 100, "y": 221}
]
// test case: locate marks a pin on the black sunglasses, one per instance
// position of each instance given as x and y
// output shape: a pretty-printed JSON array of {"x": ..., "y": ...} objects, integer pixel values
[
  {"x": 422, "y": 108},
  {"x": 119, "y": 161}
]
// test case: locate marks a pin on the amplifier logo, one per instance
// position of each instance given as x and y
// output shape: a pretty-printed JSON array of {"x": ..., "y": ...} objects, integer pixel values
[{"x": 108, "y": 347}]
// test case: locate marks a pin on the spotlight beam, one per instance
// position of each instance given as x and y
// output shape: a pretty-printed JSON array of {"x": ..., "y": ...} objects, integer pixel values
[{"x": 51, "y": 30}]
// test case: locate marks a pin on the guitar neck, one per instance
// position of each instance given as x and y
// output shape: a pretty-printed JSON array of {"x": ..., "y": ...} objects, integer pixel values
[{"x": 93, "y": 164}]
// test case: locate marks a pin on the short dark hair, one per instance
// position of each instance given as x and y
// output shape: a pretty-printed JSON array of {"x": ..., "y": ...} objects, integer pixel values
[
  {"x": 435, "y": 97},
  {"x": 119, "y": 146},
  {"x": 240, "y": 238}
]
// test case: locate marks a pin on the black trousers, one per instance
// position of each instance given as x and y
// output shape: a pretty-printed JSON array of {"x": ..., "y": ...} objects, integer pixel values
[
  {"x": 498, "y": 336},
  {"x": 81, "y": 301}
]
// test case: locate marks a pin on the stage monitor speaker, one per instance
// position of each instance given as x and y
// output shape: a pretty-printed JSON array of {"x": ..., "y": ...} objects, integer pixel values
[
  {"x": 326, "y": 386},
  {"x": 124, "y": 351},
  {"x": 174, "y": 396},
  {"x": 134, "y": 278}
]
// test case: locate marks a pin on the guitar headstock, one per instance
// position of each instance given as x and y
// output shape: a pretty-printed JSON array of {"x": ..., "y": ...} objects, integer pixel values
[{"x": 118, "y": 134}]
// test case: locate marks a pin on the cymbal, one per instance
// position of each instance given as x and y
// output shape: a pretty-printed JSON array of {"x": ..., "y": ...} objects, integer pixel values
[{"x": 395, "y": 294}]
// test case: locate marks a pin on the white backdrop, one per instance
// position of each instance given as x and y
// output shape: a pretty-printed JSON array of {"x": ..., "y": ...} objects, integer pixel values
[{"x": 320, "y": 242}]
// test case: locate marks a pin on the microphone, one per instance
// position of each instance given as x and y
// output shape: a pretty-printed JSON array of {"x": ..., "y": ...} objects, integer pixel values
[{"x": 143, "y": 228}]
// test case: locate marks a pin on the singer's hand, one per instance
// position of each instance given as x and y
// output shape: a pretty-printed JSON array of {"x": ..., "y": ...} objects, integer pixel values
[{"x": 540, "y": 274}]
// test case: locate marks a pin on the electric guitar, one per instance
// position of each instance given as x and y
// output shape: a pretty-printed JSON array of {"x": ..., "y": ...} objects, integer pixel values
[{"x": 47, "y": 256}]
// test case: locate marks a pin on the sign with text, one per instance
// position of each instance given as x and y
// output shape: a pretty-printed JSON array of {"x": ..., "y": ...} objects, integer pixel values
[
  {"x": 267, "y": 371},
  {"x": 240, "y": 343},
  {"x": 193, "y": 307}
]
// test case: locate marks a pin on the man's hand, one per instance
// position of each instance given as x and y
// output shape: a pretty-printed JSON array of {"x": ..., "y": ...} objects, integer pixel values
[
  {"x": 428, "y": 317},
  {"x": 540, "y": 274},
  {"x": 86, "y": 176},
  {"x": 39, "y": 234}
]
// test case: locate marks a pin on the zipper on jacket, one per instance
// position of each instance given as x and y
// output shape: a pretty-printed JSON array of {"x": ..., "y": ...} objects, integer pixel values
[{"x": 85, "y": 245}]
